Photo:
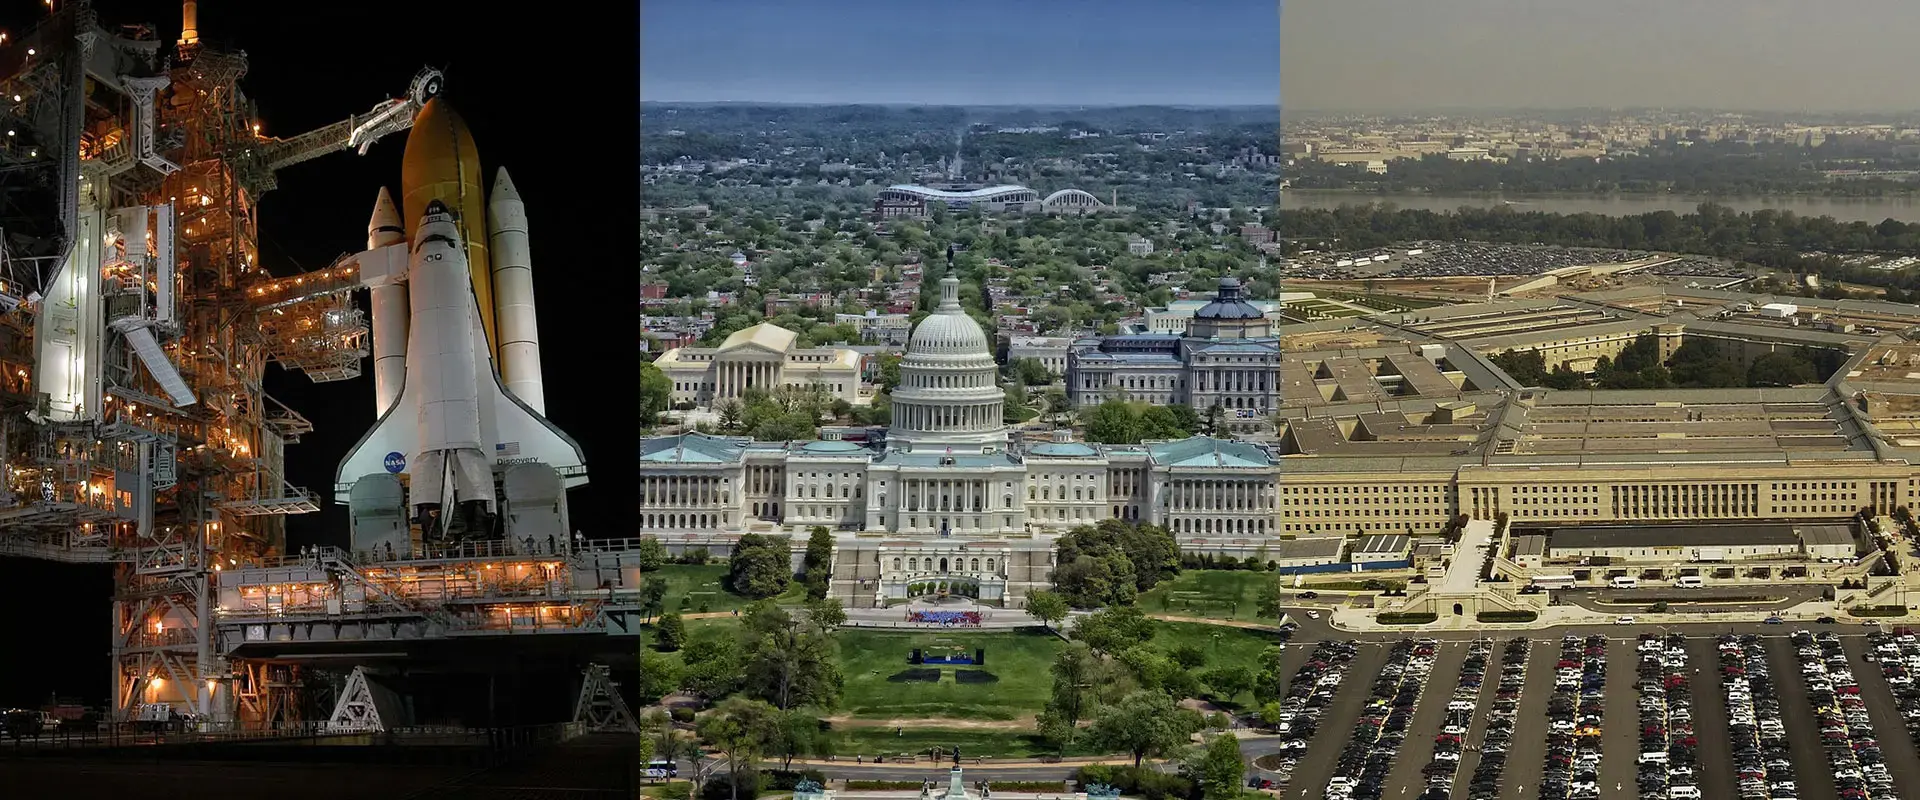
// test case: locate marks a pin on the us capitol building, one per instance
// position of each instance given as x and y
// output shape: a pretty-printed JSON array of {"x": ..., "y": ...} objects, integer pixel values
[{"x": 948, "y": 497}]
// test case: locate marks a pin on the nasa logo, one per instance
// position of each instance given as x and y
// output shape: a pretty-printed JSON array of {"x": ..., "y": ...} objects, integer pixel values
[{"x": 396, "y": 462}]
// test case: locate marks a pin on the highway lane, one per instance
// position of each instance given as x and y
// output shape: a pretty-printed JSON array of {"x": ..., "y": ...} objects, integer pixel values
[
  {"x": 1336, "y": 725},
  {"x": 1813, "y": 776},
  {"x": 1889, "y": 727},
  {"x": 1527, "y": 760},
  {"x": 1434, "y": 695},
  {"x": 1713, "y": 768}
]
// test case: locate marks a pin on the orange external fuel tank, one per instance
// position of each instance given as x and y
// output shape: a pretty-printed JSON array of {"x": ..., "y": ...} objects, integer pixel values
[{"x": 442, "y": 163}]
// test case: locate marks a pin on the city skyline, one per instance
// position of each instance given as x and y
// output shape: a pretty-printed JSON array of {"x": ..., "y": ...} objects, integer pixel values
[
  {"x": 1130, "y": 52},
  {"x": 1771, "y": 55}
]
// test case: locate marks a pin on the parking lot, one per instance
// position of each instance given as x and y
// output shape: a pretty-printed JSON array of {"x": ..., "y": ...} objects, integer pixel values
[{"x": 1766, "y": 712}]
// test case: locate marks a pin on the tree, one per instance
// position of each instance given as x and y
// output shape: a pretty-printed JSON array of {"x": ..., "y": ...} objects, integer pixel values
[
  {"x": 796, "y": 733},
  {"x": 786, "y": 663},
  {"x": 1779, "y": 369},
  {"x": 1114, "y": 630},
  {"x": 1113, "y": 422},
  {"x": 1047, "y": 607},
  {"x": 712, "y": 666},
  {"x": 741, "y": 729},
  {"x": 653, "y": 597},
  {"x": 1189, "y": 656},
  {"x": 826, "y": 613},
  {"x": 730, "y": 412},
  {"x": 653, "y": 554},
  {"x": 1227, "y": 681},
  {"x": 1031, "y": 372},
  {"x": 1273, "y": 594},
  {"x": 672, "y": 632},
  {"x": 1073, "y": 681},
  {"x": 760, "y": 566},
  {"x": 656, "y": 391},
  {"x": 818, "y": 561},
  {"x": 1218, "y": 768},
  {"x": 1111, "y": 562},
  {"x": 660, "y": 674},
  {"x": 1145, "y": 723}
]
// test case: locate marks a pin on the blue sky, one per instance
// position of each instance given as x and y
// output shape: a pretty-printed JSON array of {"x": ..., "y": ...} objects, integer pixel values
[{"x": 976, "y": 52}]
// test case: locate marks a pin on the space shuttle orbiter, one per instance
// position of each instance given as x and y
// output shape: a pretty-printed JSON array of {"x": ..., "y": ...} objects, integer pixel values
[{"x": 458, "y": 387}]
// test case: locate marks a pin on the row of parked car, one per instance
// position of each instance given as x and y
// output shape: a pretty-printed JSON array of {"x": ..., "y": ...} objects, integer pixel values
[
  {"x": 1899, "y": 656},
  {"x": 1361, "y": 773},
  {"x": 1761, "y": 760},
  {"x": 1846, "y": 730},
  {"x": 1307, "y": 697},
  {"x": 1485, "y": 784},
  {"x": 1667, "y": 741},
  {"x": 1574, "y": 715},
  {"x": 1444, "y": 767}
]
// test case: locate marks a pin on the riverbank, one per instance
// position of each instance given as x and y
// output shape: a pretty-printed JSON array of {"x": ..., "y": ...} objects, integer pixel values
[{"x": 1844, "y": 209}]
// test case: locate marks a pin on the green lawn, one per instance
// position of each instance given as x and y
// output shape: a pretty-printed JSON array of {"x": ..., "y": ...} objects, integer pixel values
[
  {"x": 1018, "y": 661},
  {"x": 869, "y": 742},
  {"x": 706, "y": 583},
  {"x": 1220, "y": 644},
  {"x": 1223, "y": 594}
]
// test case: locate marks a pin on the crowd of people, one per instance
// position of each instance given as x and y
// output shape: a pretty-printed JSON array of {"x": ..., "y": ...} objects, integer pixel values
[{"x": 946, "y": 618}]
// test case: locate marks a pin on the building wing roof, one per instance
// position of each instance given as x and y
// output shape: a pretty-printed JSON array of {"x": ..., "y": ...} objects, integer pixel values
[
  {"x": 692, "y": 448},
  {"x": 765, "y": 334},
  {"x": 1205, "y": 451}
]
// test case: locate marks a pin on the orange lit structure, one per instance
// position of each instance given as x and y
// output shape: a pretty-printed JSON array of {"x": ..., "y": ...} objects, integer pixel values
[{"x": 136, "y": 323}]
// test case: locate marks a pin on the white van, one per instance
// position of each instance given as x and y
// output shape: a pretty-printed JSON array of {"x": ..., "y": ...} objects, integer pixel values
[
  {"x": 1690, "y": 582},
  {"x": 1624, "y": 582}
]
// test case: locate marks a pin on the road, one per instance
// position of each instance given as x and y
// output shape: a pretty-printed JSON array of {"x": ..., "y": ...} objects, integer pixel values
[
  {"x": 1477, "y": 732},
  {"x": 1527, "y": 760}
]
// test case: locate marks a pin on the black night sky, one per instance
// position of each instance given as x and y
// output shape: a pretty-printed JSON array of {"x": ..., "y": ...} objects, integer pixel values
[{"x": 554, "y": 100}]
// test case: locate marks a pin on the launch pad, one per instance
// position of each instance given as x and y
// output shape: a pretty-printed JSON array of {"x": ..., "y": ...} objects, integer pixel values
[{"x": 136, "y": 323}]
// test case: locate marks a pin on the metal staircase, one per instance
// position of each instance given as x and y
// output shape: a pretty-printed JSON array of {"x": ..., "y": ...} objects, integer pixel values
[{"x": 335, "y": 560}]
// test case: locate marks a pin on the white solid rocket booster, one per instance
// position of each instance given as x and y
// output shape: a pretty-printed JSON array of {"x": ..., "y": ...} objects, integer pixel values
[
  {"x": 451, "y": 466},
  {"x": 389, "y": 303},
  {"x": 514, "y": 312}
]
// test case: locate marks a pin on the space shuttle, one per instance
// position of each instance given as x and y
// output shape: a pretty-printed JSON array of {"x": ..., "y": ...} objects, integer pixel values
[{"x": 462, "y": 448}]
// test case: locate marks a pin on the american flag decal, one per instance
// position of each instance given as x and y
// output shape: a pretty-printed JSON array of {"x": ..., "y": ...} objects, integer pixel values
[{"x": 506, "y": 449}]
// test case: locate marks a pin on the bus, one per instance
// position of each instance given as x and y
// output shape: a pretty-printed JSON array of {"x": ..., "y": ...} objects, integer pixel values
[
  {"x": 660, "y": 770},
  {"x": 1553, "y": 581}
]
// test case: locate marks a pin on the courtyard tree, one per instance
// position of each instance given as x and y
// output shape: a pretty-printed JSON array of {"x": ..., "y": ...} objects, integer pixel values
[
  {"x": 1145, "y": 723},
  {"x": 1047, "y": 607}
]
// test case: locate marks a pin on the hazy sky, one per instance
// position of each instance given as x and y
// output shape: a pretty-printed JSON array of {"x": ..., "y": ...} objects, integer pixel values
[
  {"x": 1730, "y": 54},
  {"x": 1041, "y": 52}
]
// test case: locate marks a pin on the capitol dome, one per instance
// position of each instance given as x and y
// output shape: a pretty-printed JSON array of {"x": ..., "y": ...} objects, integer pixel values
[{"x": 949, "y": 396}]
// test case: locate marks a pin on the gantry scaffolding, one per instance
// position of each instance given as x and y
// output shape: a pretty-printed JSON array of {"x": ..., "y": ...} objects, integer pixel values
[{"x": 136, "y": 323}]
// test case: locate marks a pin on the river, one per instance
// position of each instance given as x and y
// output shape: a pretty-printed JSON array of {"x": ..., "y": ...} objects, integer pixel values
[{"x": 1844, "y": 209}]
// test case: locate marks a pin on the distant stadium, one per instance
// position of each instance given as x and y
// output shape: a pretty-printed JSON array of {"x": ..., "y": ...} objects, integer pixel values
[{"x": 912, "y": 200}]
